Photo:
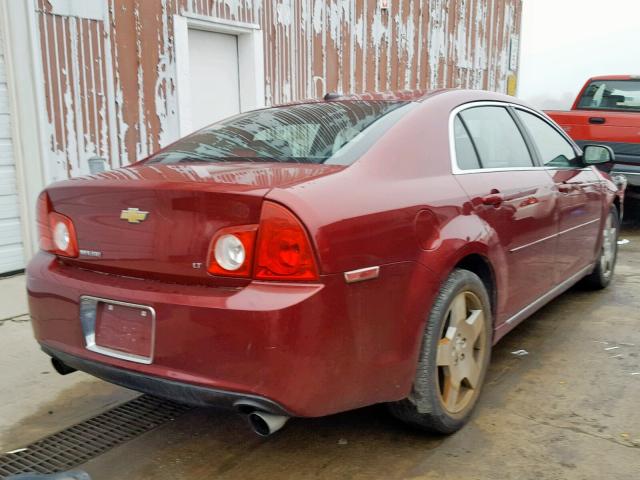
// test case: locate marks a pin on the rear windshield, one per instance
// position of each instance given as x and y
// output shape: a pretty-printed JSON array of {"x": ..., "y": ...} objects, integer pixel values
[
  {"x": 336, "y": 133},
  {"x": 623, "y": 95}
]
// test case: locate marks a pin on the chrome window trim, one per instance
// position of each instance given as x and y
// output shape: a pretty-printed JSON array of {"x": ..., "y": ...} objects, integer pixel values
[
  {"x": 456, "y": 170},
  {"x": 88, "y": 310}
]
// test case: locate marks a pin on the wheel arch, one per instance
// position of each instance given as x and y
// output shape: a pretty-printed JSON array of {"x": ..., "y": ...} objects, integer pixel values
[
  {"x": 479, "y": 251},
  {"x": 481, "y": 266}
]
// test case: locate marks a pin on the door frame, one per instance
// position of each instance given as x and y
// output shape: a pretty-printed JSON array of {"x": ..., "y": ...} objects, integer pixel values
[{"x": 250, "y": 62}]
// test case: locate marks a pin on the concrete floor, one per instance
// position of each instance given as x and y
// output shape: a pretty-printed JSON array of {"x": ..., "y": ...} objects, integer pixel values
[
  {"x": 35, "y": 400},
  {"x": 567, "y": 410}
]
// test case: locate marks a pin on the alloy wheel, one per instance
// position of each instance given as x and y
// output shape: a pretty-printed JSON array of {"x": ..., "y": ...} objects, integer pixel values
[
  {"x": 461, "y": 353},
  {"x": 608, "y": 255}
]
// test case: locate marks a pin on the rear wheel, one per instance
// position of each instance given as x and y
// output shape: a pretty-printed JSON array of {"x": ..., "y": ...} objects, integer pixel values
[
  {"x": 603, "y": 271},
  {"x": 453, "y": 361}
]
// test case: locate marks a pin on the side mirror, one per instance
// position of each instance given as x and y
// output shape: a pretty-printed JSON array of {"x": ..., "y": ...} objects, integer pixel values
[{"x": 598, "y": 154}]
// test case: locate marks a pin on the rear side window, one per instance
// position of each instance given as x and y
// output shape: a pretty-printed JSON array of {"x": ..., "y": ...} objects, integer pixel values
[
  {"x": 554, "y": 149},
  {"x": 496, "y": 137},
  {"x": 465, "y": 151}
]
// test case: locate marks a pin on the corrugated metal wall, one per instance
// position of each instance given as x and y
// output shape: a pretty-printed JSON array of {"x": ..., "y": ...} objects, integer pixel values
[
  {"x": 11, "y": 242},
  {"x": 110, "y": 77}
]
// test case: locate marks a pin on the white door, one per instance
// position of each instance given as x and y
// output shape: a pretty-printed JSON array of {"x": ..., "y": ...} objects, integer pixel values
[
  {"x": 11, "y": 251},
  {"x": 214, "y": 80}
]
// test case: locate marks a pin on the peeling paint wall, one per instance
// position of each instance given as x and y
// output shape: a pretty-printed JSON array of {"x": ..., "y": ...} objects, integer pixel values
[{"x": 110, "y": 79}]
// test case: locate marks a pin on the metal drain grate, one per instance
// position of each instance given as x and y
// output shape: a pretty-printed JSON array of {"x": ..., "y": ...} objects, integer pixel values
[{"x": 77, "y": 444}]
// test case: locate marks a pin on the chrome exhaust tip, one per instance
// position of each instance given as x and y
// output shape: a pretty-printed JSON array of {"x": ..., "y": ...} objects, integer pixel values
[{"x": 265, "y": 424}]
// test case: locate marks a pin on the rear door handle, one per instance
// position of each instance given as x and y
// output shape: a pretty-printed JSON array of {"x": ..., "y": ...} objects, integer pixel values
[
  {"x": 495, "y": 198},
  {"x": 597, "y": 120}
]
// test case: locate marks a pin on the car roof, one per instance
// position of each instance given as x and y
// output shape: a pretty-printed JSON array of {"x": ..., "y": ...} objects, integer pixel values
[
  {"x": 615, "y": 77},
  {"x": 463, "y": 95}
]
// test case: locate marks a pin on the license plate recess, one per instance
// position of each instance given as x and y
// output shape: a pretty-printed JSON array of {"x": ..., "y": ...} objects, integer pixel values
[{"x": 118, "y": 329}]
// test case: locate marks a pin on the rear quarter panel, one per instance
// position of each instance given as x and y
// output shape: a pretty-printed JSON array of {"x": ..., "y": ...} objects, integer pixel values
[{"x": 399, "y": 203}]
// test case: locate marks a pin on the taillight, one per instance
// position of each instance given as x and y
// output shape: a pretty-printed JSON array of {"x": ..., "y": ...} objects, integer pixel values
[
  {"x": 277, "y": 249},
  {"x": 283, "y": 250},
  {"x": 42, "y": 215},
  {"x": 57, "y": 233},
  {"x": 231, "y": 251},
  {"x": 64, "y": 235}
]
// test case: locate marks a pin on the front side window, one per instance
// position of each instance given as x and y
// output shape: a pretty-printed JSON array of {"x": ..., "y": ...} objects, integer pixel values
[
  {"x": 329, "y": 132},
  {"x": 496, "y": 137},
  {"x": 622, "y": 95},
  {"x": 554, "y": 149}
]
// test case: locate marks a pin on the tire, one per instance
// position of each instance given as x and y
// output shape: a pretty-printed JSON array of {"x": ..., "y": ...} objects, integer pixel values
[
  {"x": 431, "y": 405},
  {"x": 605, "y": 265}
]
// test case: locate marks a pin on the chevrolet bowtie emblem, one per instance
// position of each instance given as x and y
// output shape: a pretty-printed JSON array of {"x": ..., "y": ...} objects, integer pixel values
[{"x": 133, "y": 215}]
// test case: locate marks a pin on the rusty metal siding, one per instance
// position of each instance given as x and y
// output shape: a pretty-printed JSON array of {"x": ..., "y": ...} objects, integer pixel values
[
  {"x": 110, "y": 83},
  {"x": 75, "y": 90}
]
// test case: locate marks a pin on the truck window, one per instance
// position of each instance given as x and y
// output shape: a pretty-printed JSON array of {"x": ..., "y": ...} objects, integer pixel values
[{"x": 622, "y": 95}]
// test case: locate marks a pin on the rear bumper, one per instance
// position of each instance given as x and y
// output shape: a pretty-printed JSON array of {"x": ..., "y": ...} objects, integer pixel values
[
  {"x": 310, "y": 349},
  {"x": 178, "y": 391}
]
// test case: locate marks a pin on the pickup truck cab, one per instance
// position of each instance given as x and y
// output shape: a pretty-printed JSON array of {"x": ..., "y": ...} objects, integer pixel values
[{"x": 607, "y": 112}]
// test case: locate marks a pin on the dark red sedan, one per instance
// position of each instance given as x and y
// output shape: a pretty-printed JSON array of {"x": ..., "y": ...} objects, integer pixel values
[{"x": 318, "y": 257}]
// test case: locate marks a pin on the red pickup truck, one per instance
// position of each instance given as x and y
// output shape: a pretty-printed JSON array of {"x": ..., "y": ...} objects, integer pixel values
[{"x": 607, "y": 112}]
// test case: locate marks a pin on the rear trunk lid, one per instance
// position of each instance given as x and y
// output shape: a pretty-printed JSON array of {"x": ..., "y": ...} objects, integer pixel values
[{"x": 157, "y": 221}]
